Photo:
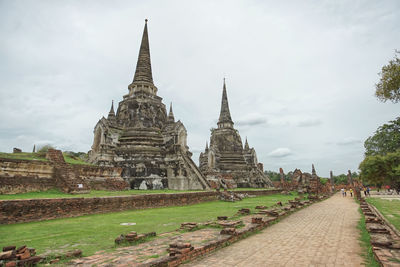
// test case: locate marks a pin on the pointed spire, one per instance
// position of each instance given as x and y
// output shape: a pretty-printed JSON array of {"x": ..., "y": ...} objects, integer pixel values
[
  {"x": 111, "y": 114},
  {"x": 246, "y": 145},
  {"x": 206, "y": 145},
  {"x": 171, "y": 117},
  {"x": 143, "y": 67},
  {"x": 34, "y": 148},
  {"x": 112, "y": 108},
  {"x": 225, "y": 115}
]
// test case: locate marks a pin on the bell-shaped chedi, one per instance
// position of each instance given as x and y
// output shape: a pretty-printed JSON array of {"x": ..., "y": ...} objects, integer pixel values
[
  {"x": 149, "y": 145},
  {"x": 225, "y": 163}
]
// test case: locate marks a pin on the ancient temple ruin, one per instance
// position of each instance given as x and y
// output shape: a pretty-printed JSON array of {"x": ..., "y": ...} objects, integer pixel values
[
  {"x": 303, "y": 182},
  {"x": 226, "y": 163},
  {"x": 143, "y": 139}
]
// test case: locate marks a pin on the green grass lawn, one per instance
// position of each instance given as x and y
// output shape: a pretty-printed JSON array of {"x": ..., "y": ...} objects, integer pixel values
[
  {"x": 53, "y": 193},
  {"x": 24, "y": 155},
  {"x": 41, "y": 157},
  {"x": 92, "y": 233},
  {"x": 389, "y": 208}
]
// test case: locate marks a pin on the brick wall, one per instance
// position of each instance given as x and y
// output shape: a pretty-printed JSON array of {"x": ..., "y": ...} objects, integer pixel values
[
  {"x": 13, "y": 211},
  {"x": 21, "y": 176}
]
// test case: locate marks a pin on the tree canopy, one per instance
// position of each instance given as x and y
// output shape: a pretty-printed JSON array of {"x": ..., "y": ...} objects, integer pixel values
[
  {"x": 386, "y": 139},
  {"x": 382, "y": 169},
  {"x": 388, "y": 88}
]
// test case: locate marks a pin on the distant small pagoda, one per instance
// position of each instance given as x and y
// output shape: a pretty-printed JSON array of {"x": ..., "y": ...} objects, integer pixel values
[
  {"x": 141, "y": 138},
  {"x": 226, "y": 162}
]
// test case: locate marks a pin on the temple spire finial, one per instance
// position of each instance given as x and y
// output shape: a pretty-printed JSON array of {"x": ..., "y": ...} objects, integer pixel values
[
  {"x": 246, "y": 145},
  {"x": 111, "y": 114},
  {"x": 112, "y": 107},
  {"x": 171, "y": 117},
  {"x": 225, "y": 119},
  {"x": 206, "y": 145}
]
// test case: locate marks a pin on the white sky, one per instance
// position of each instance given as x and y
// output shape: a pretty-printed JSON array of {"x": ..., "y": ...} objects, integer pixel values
[{"x": 300, "y": 74}]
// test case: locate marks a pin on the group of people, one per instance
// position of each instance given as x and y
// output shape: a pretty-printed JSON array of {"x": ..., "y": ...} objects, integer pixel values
[
  {"x": 345, "y": 190},
  {"x": 366, "y": 190}
]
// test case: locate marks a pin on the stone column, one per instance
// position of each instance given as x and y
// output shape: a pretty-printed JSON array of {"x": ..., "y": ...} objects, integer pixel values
[{"x": 283, "y": 184}]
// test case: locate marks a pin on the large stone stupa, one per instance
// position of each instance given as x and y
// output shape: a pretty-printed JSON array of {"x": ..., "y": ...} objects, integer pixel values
[
  {"x": 143, "y": 139},
  {"x": 226, "y": 163}
]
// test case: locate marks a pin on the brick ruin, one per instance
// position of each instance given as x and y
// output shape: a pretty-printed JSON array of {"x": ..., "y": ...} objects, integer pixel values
[
  {"x": 20, "y": 176},
  {"x": 142, "y": 139},
  {"x": 226, "y": 163},
  {"x": 303, "y": 182}
]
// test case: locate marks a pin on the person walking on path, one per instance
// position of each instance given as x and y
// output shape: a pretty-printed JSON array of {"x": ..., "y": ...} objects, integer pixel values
[
  {"x": 351, "y": 192},
  {"x": 342, "y": 190},
  {"x": 368, "y": 191},
  {"x": 365, "y": 191}
]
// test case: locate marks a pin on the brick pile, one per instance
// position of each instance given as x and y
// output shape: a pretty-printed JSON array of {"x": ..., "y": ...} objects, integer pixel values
[
  {"x": 228, "y": 231},
  {"x": 243, "y": 212},
  {"x": 179, "y": 249},
  {"x": 190, "y": 226},
  {"x": 132, "y": 237},
  {"x": 22, "y": 256}
]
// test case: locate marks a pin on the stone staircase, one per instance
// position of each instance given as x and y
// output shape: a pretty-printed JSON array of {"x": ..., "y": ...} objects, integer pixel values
[{"x": 192, "y": 166}]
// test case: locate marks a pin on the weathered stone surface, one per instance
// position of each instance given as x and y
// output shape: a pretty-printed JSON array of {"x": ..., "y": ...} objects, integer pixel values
[
  {"x": 226, "y": 163},
  {"x": 149, "y": 145},
  {"x": 228, "y": 231}
]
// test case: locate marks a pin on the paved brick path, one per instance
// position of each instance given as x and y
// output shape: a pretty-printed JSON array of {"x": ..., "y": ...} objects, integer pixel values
[{"x": 324, "y": 234}]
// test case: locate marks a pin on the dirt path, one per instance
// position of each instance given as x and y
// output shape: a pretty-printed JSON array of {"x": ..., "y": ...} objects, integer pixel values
[{"x": 324, "y": 234}]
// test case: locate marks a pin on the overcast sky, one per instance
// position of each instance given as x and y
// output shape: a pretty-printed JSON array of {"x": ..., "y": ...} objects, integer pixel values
[{"x": 300, "y": 74}]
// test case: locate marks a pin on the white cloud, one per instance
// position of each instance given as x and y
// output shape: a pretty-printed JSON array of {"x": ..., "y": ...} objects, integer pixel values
[
  {"x": 309, "y": 122},
  {"x": 251, "y": 119},
  {"x": 280, "y": 152},
  {"x": 348, "y": 141}
]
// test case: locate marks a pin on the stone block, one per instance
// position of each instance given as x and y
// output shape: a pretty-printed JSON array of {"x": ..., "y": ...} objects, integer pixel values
[
  {"x": 228, "y": 231},
  {"x": 257, "y": 220},
  {"x": 6, "y": 255},
  {"x": 11, "y": 264},
  {"x": 74, "y": 253},
  {"x": 9, "y": 248}
]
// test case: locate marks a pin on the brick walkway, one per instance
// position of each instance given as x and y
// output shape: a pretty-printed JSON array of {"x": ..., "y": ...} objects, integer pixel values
[{"x": 324, "y": 234}]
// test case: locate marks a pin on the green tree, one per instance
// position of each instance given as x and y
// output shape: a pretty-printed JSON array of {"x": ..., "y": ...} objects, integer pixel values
[
  {"x": 340, "y": 179},
  {"x": 378, "y": 169},
  {"x": 388, "y": 88},
  {"x": 386, "y": 139},
  {"x": 45, "y": 148}
]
